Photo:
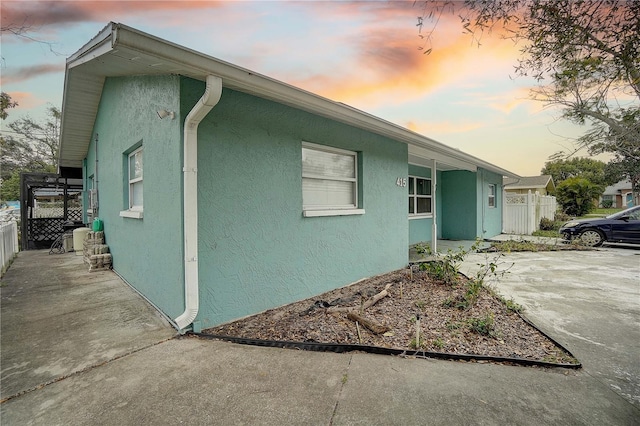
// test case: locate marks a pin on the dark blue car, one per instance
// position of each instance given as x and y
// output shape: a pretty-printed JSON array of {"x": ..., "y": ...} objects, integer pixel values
[{"x": 621, "y": 227}]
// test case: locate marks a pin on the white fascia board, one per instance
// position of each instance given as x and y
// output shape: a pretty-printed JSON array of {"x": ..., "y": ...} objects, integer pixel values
[
  {"x": 97, "y": 51},
  {"x": 105, "y": 36},
  {"x": 423, "y": 157}
]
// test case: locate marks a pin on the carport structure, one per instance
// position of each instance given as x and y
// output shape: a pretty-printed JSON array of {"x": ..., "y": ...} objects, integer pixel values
[{"x": 49, "y": 205}]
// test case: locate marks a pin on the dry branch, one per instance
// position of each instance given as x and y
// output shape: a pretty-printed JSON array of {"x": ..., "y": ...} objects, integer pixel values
[
  {"x": 372, "y": 325},
  {"x": 367, "y": 304}
]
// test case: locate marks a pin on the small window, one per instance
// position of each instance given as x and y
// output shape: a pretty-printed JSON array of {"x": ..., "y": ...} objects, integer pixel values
[
  {"x": 135, "y": 180},
  {"x": 492, "y": 195},
  {"x": 329, "y": 180},
  {"x": 133, "y": 184},
  {"x": 419, "y": 196}
]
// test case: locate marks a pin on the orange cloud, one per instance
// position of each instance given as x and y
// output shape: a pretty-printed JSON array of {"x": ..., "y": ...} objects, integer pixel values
[
  {"x": 443, "y": 127},
  {"x": 25, "y": 100},
  {"x": 504, "y": 101},
  {"x": 387, "y": 60}
]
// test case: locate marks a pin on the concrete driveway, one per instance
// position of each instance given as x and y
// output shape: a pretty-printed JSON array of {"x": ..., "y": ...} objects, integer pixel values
[
  {"x": 587, "y": 300},
  {"x": 107, "y": 358}
]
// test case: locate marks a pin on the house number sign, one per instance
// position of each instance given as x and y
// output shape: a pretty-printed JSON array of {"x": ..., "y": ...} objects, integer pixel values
[{"x": 402, "y": 182}]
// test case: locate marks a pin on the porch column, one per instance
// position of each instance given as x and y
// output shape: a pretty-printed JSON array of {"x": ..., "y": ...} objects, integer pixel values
[{"x": 434, "y": 210}]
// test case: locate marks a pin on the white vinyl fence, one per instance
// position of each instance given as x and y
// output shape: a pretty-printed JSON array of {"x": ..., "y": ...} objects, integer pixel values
[
  {"x": 8, "y": 243},
  {"x": 522, "y": 212},
  {"x": 44, "y": 212}
]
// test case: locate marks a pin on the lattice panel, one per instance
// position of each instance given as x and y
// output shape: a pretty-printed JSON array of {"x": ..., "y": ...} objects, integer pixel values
[
  {"x": 516, "y": 199},
  {"x": 75, "y": 214},
  {"x": 46, "y": 229}
]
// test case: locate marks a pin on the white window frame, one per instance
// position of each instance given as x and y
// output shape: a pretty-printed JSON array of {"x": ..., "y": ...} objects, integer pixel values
[
  {"x": 333, "y": 210},
  {"x": 134, "y": 211},
  {"x": 416, "y": 196},
  {"x": 491, "y": 198}
]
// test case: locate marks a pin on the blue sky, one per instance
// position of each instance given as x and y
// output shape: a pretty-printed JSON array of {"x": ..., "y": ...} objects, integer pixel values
[{"x": 365, "y": 54}]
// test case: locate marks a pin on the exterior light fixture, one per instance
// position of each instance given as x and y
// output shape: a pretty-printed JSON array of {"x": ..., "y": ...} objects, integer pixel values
[{"x": 163, "y": 113}]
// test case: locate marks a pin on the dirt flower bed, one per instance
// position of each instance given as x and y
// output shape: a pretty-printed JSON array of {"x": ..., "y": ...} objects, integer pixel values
[{"x": 456, "y": 318}]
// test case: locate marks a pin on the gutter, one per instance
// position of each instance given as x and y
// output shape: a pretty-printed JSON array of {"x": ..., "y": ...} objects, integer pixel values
[{"x": 209, "y": 99}]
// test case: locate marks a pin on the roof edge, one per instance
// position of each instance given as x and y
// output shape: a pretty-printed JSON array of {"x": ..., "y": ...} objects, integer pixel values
[{"x": 116, "y": 35}]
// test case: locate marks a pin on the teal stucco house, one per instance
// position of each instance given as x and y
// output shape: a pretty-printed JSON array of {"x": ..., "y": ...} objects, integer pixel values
[{"x": 224, "y": 192}]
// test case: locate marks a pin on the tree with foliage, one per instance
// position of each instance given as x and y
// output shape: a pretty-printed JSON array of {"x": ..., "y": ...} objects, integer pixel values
[
  {"x": 31, "y": 146},
  {"x": 585, "y": 54},
  {"x": 625, "y": 169},
  {"x": 5, "y": 104},
  {"x": 587, "y": 168},
  {"x": 10, "y": 188},
  {"x": 577, "y": 195}
]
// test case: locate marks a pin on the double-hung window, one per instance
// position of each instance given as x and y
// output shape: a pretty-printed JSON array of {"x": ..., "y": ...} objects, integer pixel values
[
  {"x": 329, "y": 181},
  {"x": 492, "y": 195},
  {"x": 134, "y": 182},
  {"x": 420, "y": 201}
]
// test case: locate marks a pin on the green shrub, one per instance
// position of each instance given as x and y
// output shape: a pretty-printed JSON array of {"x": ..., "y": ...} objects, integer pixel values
[
  {"x": 445, "y": 266},
  {"x": 547, "y": 224},
  {"x": 576, "y": 195}
]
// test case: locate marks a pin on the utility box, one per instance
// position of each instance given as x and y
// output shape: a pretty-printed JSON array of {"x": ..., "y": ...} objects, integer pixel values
[{"x": 79, "y": 235}]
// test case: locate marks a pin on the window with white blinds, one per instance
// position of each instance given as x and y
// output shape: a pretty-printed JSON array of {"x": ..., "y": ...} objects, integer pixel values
[{"x": 329, "y": 178}]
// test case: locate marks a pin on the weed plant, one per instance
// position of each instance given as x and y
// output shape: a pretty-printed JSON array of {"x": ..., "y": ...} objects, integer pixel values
[
  {"x": 484, "y": 326},
  {"x": 445, "y": 268}
]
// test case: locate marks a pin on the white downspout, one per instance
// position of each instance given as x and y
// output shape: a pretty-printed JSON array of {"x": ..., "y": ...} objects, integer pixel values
[
  {"x": 434, "y": 205},
  {"x": 208, "y": 100}
]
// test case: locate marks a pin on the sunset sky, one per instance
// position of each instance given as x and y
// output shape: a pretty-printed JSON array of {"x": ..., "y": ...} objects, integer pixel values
[{"x": 364, "y": 54}]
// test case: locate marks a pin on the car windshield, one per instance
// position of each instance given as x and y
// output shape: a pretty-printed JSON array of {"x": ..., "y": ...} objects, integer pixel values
[{"x": 626, "y": 212}]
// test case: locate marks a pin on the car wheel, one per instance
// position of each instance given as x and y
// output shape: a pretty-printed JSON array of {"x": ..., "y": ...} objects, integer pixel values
[{"x": 592, "y": 237}]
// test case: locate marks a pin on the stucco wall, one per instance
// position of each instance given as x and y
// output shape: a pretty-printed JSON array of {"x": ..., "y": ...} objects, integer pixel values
[
  {"x": 256, "y": 250},
  {"x": 458, "y": 220},
  {"x": 146, "y": 252}
]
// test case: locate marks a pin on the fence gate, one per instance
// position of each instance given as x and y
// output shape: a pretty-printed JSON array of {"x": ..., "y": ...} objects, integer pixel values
[
  {"x": 49, "y": 204},
  {"x": 522, "y": 212}
]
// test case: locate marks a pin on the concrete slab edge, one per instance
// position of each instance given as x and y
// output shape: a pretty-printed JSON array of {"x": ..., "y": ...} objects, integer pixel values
[{"x": 343, "y": 348}]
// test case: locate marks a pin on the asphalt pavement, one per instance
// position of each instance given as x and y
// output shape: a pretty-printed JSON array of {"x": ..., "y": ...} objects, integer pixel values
[{"x": 81, "y": 348}]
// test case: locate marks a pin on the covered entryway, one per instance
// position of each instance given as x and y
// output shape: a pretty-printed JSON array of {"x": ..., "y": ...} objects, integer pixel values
[{"x": 452, "y": 197}]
